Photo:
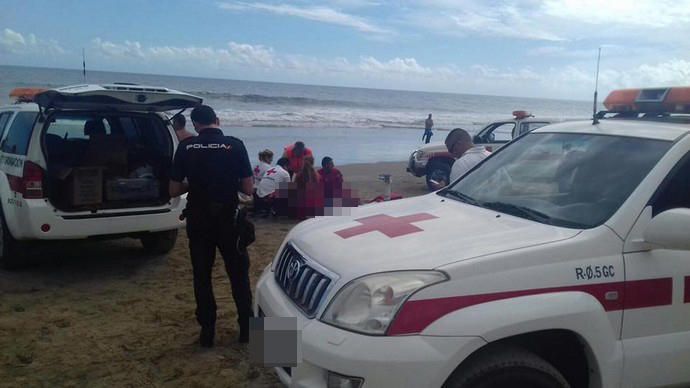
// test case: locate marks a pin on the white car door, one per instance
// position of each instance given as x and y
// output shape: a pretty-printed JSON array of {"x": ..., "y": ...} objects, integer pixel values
[{"x": 656, "y": 318}]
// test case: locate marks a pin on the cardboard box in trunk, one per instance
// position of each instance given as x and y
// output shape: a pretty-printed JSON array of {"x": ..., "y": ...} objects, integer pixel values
[{"x": 86, "y": 186}]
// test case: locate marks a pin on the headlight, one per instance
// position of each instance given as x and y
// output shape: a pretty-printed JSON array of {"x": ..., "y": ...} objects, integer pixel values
[
  {"x": 420, "y": 155},
  {"x": 369, "y": 304}
]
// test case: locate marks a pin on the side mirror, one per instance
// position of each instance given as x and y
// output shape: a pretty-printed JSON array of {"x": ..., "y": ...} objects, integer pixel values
[
  {"x": 670, "y": 230},
  {"x": 477, "y": 139}
]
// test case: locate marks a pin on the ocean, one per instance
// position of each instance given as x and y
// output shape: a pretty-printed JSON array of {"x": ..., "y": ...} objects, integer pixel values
[{"x": 352, "y": 125}]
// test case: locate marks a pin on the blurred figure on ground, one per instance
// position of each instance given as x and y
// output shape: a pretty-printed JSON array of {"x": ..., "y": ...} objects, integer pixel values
[
  {"x": 296, "y": 153},
  {"x": 428, "y": 126},
  {"x": 179, "y": 125},
  {"x": 265, "y": 196},
  {"x": 265, "y": 160},
  {"x": 459, "y": 143},
  {"x": 331, "y": 180}
]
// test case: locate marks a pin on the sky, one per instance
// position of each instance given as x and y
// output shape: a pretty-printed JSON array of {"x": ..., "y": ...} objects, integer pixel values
[{"x": 531, "y": 48}]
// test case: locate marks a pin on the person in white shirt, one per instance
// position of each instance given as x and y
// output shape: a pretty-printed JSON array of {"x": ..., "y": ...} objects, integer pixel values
[
  {"x": 272, "y": 180},
  {"x": 265, "y": 160},
  {"x": 459, "y": 143}
]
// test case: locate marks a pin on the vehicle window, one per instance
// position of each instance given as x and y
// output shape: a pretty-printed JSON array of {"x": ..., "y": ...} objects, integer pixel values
[
  {"x": 19, "y": 134},
  {"x": 501, "y": 133},
  {"x": 530, "y": 126},
  {"x": 4, "y": 118},
  {"x": 570, "y": 180},
  {"x": 70, "y": 127},
  {"x": 675, "y": 190}
]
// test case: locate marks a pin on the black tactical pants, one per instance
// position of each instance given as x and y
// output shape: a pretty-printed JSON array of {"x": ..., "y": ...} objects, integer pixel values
[{"x": 207, "y": 229}]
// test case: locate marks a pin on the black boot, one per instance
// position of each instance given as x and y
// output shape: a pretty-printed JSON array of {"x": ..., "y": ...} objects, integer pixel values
[{"x": 206, "y": 336}]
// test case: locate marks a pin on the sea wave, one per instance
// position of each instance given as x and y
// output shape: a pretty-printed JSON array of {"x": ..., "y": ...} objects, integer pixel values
[
  {"x": 340, "y": 118},
  {"x": 280, "y": 100}
]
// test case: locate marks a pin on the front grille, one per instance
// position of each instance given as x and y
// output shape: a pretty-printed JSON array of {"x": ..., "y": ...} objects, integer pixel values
[{"x": 301, "y": 282}]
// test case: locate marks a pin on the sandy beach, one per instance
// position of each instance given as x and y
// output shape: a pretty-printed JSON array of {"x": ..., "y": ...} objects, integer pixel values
[{"x": 102, "y": 313}]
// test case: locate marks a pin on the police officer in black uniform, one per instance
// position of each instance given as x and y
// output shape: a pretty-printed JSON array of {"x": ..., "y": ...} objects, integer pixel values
[{"x": 216, "y": 168}]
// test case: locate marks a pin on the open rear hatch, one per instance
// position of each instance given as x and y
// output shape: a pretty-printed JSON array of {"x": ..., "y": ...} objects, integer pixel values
[{"x": 121, "y": 97}]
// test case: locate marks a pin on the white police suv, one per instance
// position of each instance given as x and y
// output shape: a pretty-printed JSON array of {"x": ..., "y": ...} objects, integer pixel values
[
  {"x": 88, "y": 161},
  {"x": 562, "y": 260}
]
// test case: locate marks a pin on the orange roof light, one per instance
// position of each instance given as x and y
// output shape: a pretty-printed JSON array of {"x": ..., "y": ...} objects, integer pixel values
[
  {"x": 621, "y": 100},
  {"x": 651, "y": 100},
  {"x": 25, "y": 94},
  {"x": 521, "y": 114}
]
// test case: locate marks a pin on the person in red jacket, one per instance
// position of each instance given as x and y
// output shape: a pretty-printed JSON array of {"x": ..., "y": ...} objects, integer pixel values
[
  {"x": 296, "y": 153},
  {"x": 331, "y": 179}
]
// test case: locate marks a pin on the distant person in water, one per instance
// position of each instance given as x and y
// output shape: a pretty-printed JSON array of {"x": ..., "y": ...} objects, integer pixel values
[
  {"x": 296, "y": 153},
  {"x": 428, "y": 126},
  {"x": 179, "y": 124},
  {"x": 331, "y": 179}
]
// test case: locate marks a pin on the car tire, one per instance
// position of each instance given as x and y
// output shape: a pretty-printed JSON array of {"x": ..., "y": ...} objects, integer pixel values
[
  {"x": 506, "y": 367},
  {"x": 437, "y": 170},
  {"x": 159, "y": 243},
  {"x": 10, "y": 257}
]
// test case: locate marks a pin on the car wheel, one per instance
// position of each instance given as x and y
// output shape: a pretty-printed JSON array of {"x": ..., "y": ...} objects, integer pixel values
[
  {"x": 159, "y": 243},
  {"x": 9, "y": 254},
  {"x": 437, "y": 171},
  {"x": 507, "y": 368}
]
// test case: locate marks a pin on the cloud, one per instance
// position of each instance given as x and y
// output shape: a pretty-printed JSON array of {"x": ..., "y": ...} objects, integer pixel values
[
  {"x": 314, "y": 13},
  {"x": 14, "y": 42},
  {"x": 656, "y": 14},
  {"x": 572, "y": 80},
  {"x": 234, "y": 53},
  {"x": 502, "y": 22},
  {"x": 253, "y": 54},
  {"x": 650, "y": 22},
  {"x": 396, "y": 65},
  {"x": 12, "y": 39}
]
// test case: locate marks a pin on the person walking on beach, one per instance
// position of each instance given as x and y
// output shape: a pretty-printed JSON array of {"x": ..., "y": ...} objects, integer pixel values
[
  {"x": 296, "y": 153},
  {"x": 179, "y": 125},
  {"x": 217, "y": 168},
  {"x": 459, "y": 143},
  {"x": 428, "y": 126}
]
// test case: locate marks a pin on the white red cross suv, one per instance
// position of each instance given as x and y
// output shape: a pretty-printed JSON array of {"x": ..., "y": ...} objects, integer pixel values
[{"x": 562, "y": 260}]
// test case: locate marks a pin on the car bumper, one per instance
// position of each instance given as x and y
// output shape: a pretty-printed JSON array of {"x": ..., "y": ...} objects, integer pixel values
[
  {"x": 381, "y": 361},
  {"x": 35, "y": 214},
  {"x": 416, "y": 167}
]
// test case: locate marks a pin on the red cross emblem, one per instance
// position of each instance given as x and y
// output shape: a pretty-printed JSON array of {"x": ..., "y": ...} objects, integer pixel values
[
  {"x": 388, "y": 225},
  {"x": 271, "y": 171}
]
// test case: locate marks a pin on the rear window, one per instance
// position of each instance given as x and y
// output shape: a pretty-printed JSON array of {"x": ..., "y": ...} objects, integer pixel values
[
  {"x": 73, "y": 139},
  {"x": 19, "y": 134}
]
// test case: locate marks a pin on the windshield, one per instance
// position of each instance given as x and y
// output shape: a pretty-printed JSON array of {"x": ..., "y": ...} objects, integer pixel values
[{"x": 570, "y": 180}]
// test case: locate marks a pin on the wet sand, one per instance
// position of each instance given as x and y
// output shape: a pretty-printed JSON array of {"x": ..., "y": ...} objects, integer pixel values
[{"x": 102, "y": 313}]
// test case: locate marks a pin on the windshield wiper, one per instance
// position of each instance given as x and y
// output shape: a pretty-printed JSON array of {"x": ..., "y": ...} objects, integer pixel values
[
  {"x": 462, "y": 197},
  {"x": 520, "y": 211}
]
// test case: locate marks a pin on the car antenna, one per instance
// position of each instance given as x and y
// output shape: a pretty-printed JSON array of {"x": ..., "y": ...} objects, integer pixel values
[
  {"x": 83, "y": 63},
  {"x": 595, "y": 118}
]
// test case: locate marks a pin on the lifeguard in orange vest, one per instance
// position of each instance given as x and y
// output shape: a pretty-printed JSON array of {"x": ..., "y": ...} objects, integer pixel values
[{"x": 295, "y": 153}]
